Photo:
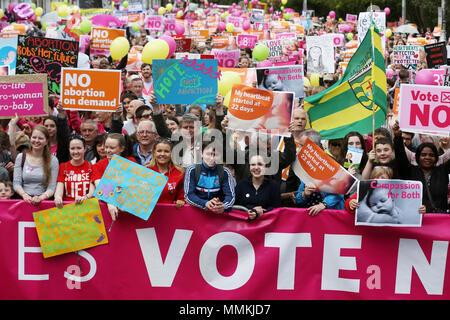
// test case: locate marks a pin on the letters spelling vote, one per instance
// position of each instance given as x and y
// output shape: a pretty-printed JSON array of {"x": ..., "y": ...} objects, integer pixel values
[{"x": 417, "y": 95}]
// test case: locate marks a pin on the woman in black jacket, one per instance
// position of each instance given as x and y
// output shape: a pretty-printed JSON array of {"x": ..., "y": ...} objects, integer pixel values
[
  {"x": 258, "y": 193},
  {"x": 434, "y": 178}
]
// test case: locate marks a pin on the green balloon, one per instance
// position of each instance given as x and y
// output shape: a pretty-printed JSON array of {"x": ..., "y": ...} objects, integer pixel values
[
  {"x": 33, "y": 5},
  {"x": 287, "y": 16},
  {"x": 136, "y": 27},
  {"x": 85, "y": 26},
  {"x": 349, "y": 36},
  {"x": 260, "y": 52}
]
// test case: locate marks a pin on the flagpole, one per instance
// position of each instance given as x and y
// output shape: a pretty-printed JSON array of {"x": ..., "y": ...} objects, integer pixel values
[{"x": 372, "y": 77}]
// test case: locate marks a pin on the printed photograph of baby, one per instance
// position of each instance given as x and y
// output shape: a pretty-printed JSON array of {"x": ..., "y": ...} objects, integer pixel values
[
  {"x": 389, "y": 203},
  {"x": 286, "y": 78}
]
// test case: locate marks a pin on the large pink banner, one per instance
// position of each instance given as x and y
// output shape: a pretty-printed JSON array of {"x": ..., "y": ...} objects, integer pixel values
[{"x": 190, "y": 254}]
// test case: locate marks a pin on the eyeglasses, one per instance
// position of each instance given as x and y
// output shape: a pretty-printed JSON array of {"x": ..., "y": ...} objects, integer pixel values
[
  {"x": 145, "y": 116},
  {"x": 145, "y": 132}
]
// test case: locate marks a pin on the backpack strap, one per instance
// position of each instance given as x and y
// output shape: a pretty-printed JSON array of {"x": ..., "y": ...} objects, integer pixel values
[
  {"x": 220, "y": 172},
  {"x": 198, "y": 169}
]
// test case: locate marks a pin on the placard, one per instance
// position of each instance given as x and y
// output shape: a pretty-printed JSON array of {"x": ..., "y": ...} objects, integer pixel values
[
  {"x": 8, "y": 54},
  {"x": 424, "y": 108},
  {"x": 364, "y": 21},
  {"x": 314, "y": 166},
  {"x": 392, "y": 203},
  {"x": 130, "y": 187},
  {"x": 101, "y": 39},
  {"x": 90, "y": 89},
  {"x": 252, "y": 109},
  {"x": 226, "y": 58},
  {"x": 282, "y": 79},
  {"x": 154, "y": 23},
  {"x": 436, "y": 54},
  {"x": 406, "y": 55},
  {"x": 185, "y": 81},
  {"x": 183, "y": 45},
  {"x": 320, "y": 54},
  {"x": 199, "y": 35},
  {"x": 48, "y": 56},
  {"x": 26, "y": 95},
  {"x": 246, "y": 40},
  {"x": 275, "y": 47},
  {"x": 353, "y": 157},
  {"x": 73, "y": 227}
]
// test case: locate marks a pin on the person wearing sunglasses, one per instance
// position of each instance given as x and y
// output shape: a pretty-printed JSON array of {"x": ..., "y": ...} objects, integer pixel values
[{"x": 74, "y": 177}]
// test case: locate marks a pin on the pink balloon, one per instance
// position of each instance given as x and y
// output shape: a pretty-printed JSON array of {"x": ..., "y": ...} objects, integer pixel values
[
  {"x": 207, "y": 11},
  {"x": 11, "y": 7},
  {"x": 221, "y": 26},
  {"x": 156, "y": 8},
  {"x": 271, "y": 9},
  {"x": 178, "y": 1},
  {"x": 387, "y": 11},
  {"x": 425, "y": 76},
  {"x": 389, "y": 73},
  {"x": 245, "y": 2},
  {"x": 246, "y": 25},
  {"x": 179, "y": 29},
  {"x": 332, "y": 14},
  {"x": 171, "y": 42}
]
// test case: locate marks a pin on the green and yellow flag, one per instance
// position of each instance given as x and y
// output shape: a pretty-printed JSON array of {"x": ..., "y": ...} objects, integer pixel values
[{"x": 357, "y": 101}]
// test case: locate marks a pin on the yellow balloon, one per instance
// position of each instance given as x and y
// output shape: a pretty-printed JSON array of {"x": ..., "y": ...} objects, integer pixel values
[
  {"x": 169, "y": 7},
  {"x": 155, "y": 49},
  {"x": 1, "y": 13},
  {"x": 226, "y": 82},
  {"x": 306, "y": 82},
  {"x": 179, "y": 14},
  {"x": 39, "y": 11},
  {"x": 388, "y": 33},
  {"x": 119, "y": 48},
  {"x": 230, "y": 27},
  {"x": 63, "y": 11},
  {"x": 314, "y": 79},
  {"x": 284, "y": 2},
  {"x": 226, "y": 100},
  {"x": 161, "y": 11}
]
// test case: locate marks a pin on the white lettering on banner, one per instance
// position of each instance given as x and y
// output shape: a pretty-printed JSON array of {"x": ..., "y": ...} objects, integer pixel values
[
  {"x": 161, "y": 273},
  {"x": 245, "y": 265},
  {"x": 23, "y": 250},
  {"x": 288, "y": 243},
  {"x": 92, "y": 269},
  {"x": 410, "y": 255},
  {"x": 333, "y": 262}
]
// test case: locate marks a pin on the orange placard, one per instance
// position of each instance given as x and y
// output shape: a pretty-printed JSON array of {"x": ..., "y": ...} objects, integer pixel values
[
  {"x": 13, "y": 31},
  {"x": 135, "y": 17},
  {"x": 396, "y": 101},
  {"x": 417, "y": 41},
  {"x": 199, "y": 35},
  {"x": 90, "y": 90},
  {"x": 101, "y": 38},
  {"x": 248, "y": 103},
  {"x": 316, "y": 162},
  {"x": 220, "y": 42}
]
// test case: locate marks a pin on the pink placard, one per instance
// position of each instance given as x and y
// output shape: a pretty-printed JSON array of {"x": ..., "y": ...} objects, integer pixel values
[
  {"x": 25, "y": 95},
  {"x": 190, "y": 254},
  {"x": 226, "y": 58},
  {"x": 424, "y": 108},
  {"x": 246, "y": 40},
  {"x": 154, "y": 23}
]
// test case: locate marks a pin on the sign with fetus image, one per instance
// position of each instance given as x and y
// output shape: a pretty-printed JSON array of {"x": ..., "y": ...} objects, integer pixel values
[
  {"x": 389, "y": 203},
  {"x": 289, "y": 78},
  {"x": 320, "y": 54}
]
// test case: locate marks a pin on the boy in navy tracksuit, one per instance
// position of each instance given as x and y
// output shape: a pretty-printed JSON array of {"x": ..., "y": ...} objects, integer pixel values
[{"x": 208, "y": 185}]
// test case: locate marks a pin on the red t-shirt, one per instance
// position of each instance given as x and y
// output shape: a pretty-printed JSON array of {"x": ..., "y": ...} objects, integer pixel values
[
  {"x": 99, "y": 168},
  {"x": 173, "y": 190},
  {"x": 76, "y": 179}
]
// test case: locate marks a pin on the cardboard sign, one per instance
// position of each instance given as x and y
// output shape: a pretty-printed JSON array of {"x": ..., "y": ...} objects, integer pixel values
[
  {"x": 406, "y": 55},
  {"x": 436, "y": 54},
  {"x": 73, "y": 227},
  {"x": 396, "y": 104},
  {"x": 200, "y": 35},
  {"x": 424, "y": 108},
  {"x": 183, "y": 45},
  {"x": 25, "y": 95},
  {"x": 220, "y": 42},
  {"x": 275, "y": 47},
  {"x": 320, "y": 54},
  {"x": 246, "y": 40},
  {"x": 392, "y": 203},
  {"x": 130, "y": 187},
  {"x": 364, "y": 25},
  {"x": 185, "y": 81},
  {"x": 12, "y": 31},
  {"x": 252, "y": 109},
  {"x": 101, "y": 39},
  {"x": 314, "y": 166},
  {"x": 90, "y": 90},
  {"x": 288, "y": 78},
  {"x": 45, "y": 55},
  {"x": 8, "y": 54},
  {"x": 226, "y": 58}
]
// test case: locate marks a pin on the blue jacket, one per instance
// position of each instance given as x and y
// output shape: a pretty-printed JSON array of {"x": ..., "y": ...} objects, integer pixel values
[
  {"x": 333, "y": 201},
  {"x": 208, "y": 187},
  {"x": 267, "y": 195}
]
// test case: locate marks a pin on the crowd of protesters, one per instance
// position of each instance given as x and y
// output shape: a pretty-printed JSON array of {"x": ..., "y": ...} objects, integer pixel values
[{"x": 62, "y": 156}]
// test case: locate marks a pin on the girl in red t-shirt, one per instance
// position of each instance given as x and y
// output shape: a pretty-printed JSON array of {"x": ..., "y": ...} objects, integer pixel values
[
  {"x": 115, "y": 143},
  {"x": 74, "y": 177},
  {"x": 162, "y": 162}
]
